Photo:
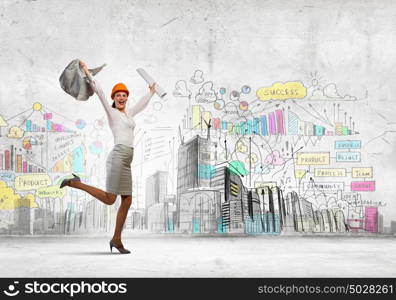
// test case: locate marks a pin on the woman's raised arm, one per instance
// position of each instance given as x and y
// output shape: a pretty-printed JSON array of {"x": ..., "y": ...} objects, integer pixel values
[
  {"x": 142, "y": 103},
  {"x": 99, "y": 91}
]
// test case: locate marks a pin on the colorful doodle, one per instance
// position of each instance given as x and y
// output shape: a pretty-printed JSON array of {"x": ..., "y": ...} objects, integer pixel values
[{"x": 262, "y": 140}]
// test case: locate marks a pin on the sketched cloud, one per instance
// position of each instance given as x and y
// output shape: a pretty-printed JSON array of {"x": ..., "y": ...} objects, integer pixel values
[
  {"x": 318, "y": 95},
  {"x": 9, "y": 200},
  {"x": 349, "y": 98},
  {"x": 241, "y": 147},
  {"x": 330, "y": 92},
  {"x": 206, "y": 93},
  {"x": 274, "y": 159},
  {"x": 181, "y": 89},
  {"x": 197, "y": 78},
  {"x": 15, "y": 133}
]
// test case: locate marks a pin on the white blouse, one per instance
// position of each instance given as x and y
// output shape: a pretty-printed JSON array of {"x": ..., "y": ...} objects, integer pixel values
[{"x": 122, "y": 124}]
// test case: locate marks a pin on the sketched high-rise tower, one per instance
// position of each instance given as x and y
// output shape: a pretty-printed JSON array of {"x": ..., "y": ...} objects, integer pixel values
[
  {"x": 156, "y": 189},
  {"x": 193, "y": 164}
]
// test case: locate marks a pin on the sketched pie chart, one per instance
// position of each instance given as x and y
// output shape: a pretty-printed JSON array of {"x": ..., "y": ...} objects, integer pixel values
[
  {"x": 28, "y": 142},
  {"x": 80, "y": 124},
  {"x": 246, "y": 89},
  {"x": 243, "y": 105},
  {"x": 219, "y": 104}
]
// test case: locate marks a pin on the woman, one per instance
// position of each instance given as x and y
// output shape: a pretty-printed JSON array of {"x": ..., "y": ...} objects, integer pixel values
[{"x": 118, "y": 163}]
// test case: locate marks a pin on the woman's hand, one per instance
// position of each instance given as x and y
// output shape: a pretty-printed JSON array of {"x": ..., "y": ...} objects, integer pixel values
[
  {"x": 84, "y": 66},
  {"x": 152, "y": 88}
]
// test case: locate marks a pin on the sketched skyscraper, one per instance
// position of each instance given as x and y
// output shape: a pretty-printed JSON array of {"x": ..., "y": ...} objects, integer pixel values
[
  {"x": 193, "y": 164},
  {"x": 194, "y": 170},
  {"x": 371, "y": 219},
  {"x": 156, "y": 189}
]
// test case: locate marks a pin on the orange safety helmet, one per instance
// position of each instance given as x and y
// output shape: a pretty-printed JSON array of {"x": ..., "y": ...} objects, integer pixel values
[{"x": 119, "y": 87}]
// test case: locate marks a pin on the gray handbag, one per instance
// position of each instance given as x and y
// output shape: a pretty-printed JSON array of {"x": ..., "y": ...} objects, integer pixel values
[{"x": 75, "y": 82}]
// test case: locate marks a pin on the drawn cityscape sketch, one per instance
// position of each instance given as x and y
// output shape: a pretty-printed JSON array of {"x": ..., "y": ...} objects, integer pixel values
[
  {"x": 257, "y": 161},
  {"x": 288, "y": 155}
]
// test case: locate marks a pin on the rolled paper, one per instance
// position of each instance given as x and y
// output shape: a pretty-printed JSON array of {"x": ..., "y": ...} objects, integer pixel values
[{"x": 158, "y": 90}]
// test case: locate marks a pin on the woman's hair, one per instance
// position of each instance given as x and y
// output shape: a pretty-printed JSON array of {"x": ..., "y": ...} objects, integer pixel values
[{"x": 113, "y": 104}]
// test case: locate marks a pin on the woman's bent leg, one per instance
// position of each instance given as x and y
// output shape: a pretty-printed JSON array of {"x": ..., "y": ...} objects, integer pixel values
[
  {"x": 126, "y": 201},
  {"x": 106, "y": 198}
]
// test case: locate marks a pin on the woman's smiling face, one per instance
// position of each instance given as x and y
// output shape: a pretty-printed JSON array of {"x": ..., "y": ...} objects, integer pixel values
[{"x": 120, "y": 100}]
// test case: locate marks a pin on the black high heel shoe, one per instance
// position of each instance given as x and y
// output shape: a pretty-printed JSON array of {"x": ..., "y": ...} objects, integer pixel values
[
  {"x": 120, "y": 248},
  {"x": 66, "y": 182}
]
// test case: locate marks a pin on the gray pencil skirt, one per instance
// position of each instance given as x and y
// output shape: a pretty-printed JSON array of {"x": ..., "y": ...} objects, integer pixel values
[{"x": 118, "y": 170}]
